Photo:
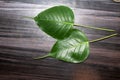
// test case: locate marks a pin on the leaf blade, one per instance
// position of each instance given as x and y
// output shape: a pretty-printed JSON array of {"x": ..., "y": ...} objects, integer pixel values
[
  {"x": 52, "y": 20},
  {"x": 74, "y": 49}
]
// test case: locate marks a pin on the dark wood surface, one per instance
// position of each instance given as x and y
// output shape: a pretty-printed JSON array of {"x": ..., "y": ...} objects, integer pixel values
[{"x": 21, "y": 40}]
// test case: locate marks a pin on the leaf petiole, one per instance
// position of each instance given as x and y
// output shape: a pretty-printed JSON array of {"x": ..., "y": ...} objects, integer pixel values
[
  {"x": 41, "y": 57},
  {"x": 105, "y": 37},
  {"x": 28, "y": 17},
  {"x": 103, "y": 29}
]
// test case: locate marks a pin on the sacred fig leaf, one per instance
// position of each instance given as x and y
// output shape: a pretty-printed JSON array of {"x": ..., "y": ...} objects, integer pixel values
[
  {"x": 74, "y": 49},
  {"x": 57, "y": 21}
]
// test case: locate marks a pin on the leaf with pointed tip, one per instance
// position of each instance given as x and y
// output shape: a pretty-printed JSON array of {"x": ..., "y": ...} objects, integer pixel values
[
  {"x": 57, "y": 21},
  {"x": 74, "y": 49}
]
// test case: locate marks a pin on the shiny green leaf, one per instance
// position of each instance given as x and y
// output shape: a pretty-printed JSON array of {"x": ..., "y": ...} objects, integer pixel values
[
  {"x": 57, "y": 21},
  {"x": 74, "y": 49}
]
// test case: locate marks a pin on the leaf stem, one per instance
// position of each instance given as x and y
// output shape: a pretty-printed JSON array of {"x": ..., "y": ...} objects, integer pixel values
[
  {"x": 103, "y": 29},
  {"x": 106, "y": 37},
  {"x": 41, "y": 57},
  {"x": 28, "y": 17}
]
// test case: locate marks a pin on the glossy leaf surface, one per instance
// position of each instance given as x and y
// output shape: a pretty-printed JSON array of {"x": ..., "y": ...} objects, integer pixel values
[
  {"x": 57, "y": 21},
  {"x": 73, "y": 49}
]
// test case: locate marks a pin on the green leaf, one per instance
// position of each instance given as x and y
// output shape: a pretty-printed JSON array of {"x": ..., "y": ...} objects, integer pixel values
[
  {"x": 57, "y": 21},
  {"x": 74, "y": 49}
]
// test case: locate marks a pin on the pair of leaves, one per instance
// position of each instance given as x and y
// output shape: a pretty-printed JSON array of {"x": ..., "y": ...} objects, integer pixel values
[{"x": 72, "y": 45}]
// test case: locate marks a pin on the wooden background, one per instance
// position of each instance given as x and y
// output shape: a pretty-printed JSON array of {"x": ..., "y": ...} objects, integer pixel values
[{"x": 21, "y": 40}]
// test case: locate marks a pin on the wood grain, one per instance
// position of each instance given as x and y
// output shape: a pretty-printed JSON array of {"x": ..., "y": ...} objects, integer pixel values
[{"x": 21, "y": 40}]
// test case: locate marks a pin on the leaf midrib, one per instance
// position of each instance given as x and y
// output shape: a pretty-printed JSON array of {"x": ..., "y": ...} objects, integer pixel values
[
  {"x": 58, "y": 21},
  {"x": 75, "y": 45}
]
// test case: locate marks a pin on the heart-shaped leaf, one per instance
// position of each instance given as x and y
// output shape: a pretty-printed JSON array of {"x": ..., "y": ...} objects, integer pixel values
[
  {"x": 73, "y": 49},
  {"x": 57, "y": 21}
]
